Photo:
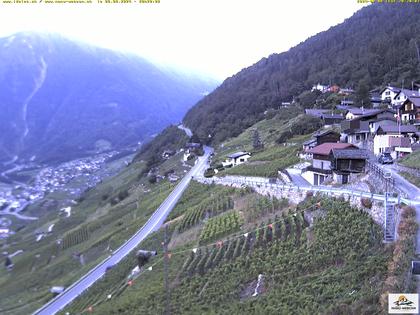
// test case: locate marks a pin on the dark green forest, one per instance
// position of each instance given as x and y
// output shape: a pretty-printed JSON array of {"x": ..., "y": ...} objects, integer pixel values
[{"x": 378, "y": 45}]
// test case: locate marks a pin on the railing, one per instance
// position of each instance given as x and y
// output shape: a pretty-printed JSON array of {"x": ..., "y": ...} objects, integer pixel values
[
  {"x": 379, "y": 173},
  {"x": 263, "y": 183}
]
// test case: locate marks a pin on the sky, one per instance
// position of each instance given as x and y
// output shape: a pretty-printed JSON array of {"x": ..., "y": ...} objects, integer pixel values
[{"x": 214, "y": 37}]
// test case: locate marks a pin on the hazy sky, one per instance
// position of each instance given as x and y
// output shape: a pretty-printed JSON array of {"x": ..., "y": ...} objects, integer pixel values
[{"x": 218, "y": 37}]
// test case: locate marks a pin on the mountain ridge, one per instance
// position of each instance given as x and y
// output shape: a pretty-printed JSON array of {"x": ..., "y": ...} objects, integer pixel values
[{"x": 55, "y": 88}]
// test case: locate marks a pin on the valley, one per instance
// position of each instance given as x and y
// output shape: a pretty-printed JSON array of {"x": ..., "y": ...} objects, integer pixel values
[{"x": 293, "y": 187}]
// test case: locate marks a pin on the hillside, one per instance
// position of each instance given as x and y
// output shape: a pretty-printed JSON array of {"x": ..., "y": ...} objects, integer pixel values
[
  {"x": 378, "y": 45},
  {"x": 62, "y": 99},
  {"x": 337, "y": 265}
]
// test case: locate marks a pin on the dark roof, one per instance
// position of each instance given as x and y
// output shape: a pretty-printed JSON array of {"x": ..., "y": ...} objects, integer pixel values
[
  {"x": 323, "y": 133},
  {"x": 325, "y": 148},
  {"x": 316, "y": 112},
  {"x": 350, "y": 154},
  {"x": 397, "y": 129},
  {"x": 374, "y": 112},
  {"x": 238, "y": 154},
  {"x": 409, "y": 93},
  {"x": 392, "y": 88},
  {"x": 414, "y": 100},
  {"x": 332, "y": 116},
  {"x": 364, "y": 111},
  {"x": 310, "y": 141},
  {"x": 344, "y": 107}
]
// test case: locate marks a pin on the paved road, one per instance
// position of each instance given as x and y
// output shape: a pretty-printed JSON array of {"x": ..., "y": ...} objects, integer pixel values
[
  {"x": 412, "y": 191},
  {"x": 296, "y": 177},
  {"x": 154, "y": 222}
]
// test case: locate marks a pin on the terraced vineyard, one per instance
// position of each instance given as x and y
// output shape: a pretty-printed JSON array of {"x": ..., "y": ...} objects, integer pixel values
[
  {"x": 76, "y": 237},
  {"x": 221, "y": 225},
  {"x": 206, "y": 258},
  {"x": 337, "y": 266},
  {"x": 207, "y": 209}
]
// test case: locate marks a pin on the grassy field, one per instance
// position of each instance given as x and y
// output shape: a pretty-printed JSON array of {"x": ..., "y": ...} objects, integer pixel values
[
  {"x": 273, "y": 157},
  {"x": 415, "y": 180},
  {"x": 411, "y": 160}
]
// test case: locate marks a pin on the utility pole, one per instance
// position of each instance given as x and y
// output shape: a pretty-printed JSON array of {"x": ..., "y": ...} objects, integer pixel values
[{"x": 166, "y": 271}]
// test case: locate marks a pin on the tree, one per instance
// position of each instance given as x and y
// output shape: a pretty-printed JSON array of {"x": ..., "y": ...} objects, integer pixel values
[
  {"x": 362, "y": 93},
  {"x": 257, "y": 144}
]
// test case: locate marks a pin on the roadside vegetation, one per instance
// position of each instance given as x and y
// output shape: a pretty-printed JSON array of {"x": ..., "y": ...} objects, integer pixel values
[{"x": 412, "y": 160}]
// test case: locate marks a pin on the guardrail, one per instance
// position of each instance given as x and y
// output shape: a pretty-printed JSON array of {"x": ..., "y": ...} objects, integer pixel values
[{"x": 291, "y": 187}]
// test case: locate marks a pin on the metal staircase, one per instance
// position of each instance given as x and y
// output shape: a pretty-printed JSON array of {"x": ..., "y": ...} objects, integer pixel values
[{"x": 389, "y": 232}]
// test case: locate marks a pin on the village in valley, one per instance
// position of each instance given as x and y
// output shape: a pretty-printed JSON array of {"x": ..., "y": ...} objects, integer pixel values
[{"x": 70, "y": 179}]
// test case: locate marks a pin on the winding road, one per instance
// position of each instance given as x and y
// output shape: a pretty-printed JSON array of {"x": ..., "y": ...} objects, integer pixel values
[{"x": 154, "y": 223}]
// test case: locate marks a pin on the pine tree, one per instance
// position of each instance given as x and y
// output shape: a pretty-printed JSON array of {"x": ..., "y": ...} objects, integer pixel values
[{"x": 257, "y": 144}]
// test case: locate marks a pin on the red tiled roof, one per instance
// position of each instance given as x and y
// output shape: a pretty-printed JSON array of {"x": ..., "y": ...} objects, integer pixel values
[{"x": 325, "y": 148}]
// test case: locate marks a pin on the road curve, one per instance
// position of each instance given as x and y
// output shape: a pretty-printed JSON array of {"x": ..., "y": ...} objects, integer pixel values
[{"x": 154, "y": 222}]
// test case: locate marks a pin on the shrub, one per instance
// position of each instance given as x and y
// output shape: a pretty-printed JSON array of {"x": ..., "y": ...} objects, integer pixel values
[
  {"x": 366, "y": 203},
  {"x": 209, "y": 172}
]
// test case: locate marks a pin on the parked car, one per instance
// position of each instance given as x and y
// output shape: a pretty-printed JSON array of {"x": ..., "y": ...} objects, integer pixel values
[{"x": 385, "y": 158}]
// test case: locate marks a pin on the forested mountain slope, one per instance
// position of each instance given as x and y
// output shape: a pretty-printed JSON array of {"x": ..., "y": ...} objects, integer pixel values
[{"x": 378, "y": 45}]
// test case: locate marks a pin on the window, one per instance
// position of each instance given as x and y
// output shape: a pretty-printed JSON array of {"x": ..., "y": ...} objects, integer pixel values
[{"x": 387, "y": 93}]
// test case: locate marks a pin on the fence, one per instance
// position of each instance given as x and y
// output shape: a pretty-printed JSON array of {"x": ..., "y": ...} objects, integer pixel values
[{"x": 244, "y": 181}]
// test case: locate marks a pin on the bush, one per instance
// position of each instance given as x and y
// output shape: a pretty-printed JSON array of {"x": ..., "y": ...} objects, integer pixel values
[
  {"x": 366, "y": 203},
  {"x": 209, "y": 172},
  {"x": 152, "y": 179}
]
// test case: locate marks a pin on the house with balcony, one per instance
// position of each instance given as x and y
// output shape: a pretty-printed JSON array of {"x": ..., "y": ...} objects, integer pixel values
[
  {"x": 318, "y": 138},
  {"x": 321, "y": 170},
  {"x": 403, "y": 95},
  {"x": 388, "y": 94},
  {"x": 409, "y": 111},
  {"x": 395, "y": 139},
  {"x": 347, "y": 163}
]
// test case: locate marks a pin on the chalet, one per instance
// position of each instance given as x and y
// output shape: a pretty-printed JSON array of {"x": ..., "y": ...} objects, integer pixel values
[
  {"x": 374, "y": 124},
  {"x": 193, "y": 145},
  {"x": 375, "y": 100},
  {"x": 347, "y": 162},
  {"x": 346, "y": 91},
  {"x": 409, "y": 111},
  {"x": 394, "y": 139},
  {"x": 318, "y": 138},
  {"x": 237, "y": 158},
  {"x": 345, "y": 102},
  {"x": 332, "y": 119},
  {"x": 403, "y": 95},
  {"x": 356, "y": 112},
  {"x": 320, "y": 87},
  {"x": 320, "y": 169},
  {"x": 388, "y": 94},
  {"x": 167, "y": 154},
  {"x": 326, "y": 115}
]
